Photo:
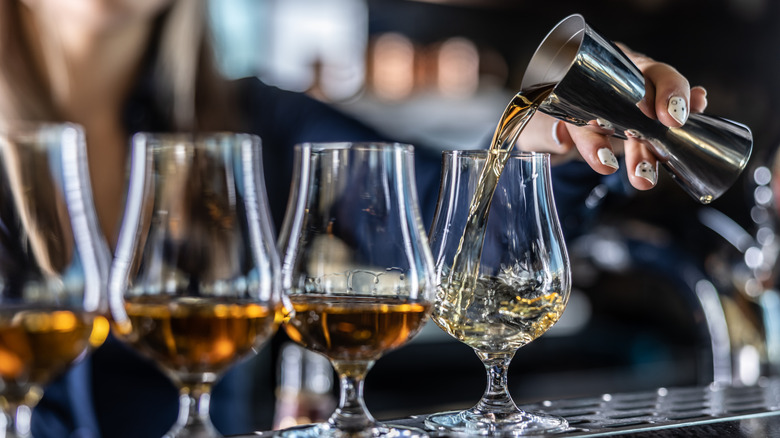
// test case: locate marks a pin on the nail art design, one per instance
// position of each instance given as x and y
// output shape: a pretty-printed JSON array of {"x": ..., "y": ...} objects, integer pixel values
[
  {"x": 605, "y": 124},
  {"x": 633, "y": 133},
  {"x": 647, "y": 171},
  {"x": 607, "y": 158},
  {"x": 678, "y": 109}
]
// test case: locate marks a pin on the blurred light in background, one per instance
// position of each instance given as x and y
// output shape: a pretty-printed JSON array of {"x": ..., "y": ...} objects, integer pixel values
[
  {"x": 322, "y": 47},
  {"x": 748, "y": 365},
  {"x": 392, "y": 66},
  {"x": 444, "y": 93},
  {"x": 299, "y": 45},
  {"x": 458, "y": 68},
  {"x": 241, "y": 35},
  {"x": 318, "y": 44}
]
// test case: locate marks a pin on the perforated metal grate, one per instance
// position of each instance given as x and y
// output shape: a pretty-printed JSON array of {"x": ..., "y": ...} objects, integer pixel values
[
  {"x": 661, "y": 408},
  {"x": 610, "y": 414}
]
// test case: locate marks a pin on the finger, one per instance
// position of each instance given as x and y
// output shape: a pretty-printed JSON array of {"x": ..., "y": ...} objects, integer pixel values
[
  {"x": 545, "y": 134},
  {"x": 647, "y": 104},
  {"x": 594, "y": 147},
  {"x": 561, "y": 137},
  {"x": 668, "y": 93},
  {"x": 642, "y": 61},
  {"x": 641, "y": 165},
  {"x": 698, "y": 99},
  {"x": 672, "y": 94}
]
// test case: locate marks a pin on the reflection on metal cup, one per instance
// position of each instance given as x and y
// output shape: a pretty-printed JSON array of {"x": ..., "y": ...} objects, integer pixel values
[{"x": 595, "y": 81}]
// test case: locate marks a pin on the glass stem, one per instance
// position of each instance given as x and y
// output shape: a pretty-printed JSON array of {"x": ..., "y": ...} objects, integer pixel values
[
  {"x": 496, "y": 402},
  {"x": 351, "y": 414},
  {"x": 194, "y": 420}
]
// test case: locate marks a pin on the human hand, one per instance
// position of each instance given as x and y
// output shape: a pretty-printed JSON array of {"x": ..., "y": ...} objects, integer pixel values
[{"x": 668, "y": 98}]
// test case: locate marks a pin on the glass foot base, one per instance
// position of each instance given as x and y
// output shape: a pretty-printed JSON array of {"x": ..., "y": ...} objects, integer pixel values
[
  {"x": 515, "y": 424},
  {"x": 327, "y": 431}
]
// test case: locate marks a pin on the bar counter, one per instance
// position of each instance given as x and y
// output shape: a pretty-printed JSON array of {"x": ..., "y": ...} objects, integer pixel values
[{"x": 707, "y": 411}]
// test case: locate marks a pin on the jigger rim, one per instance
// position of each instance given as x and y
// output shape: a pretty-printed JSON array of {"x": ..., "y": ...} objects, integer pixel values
[{"x": 569, "y": 33}]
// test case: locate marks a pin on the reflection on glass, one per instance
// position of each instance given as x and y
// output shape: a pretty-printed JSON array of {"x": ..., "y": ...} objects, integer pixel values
[
  {"x": 505, "y": 276},
  {"x": 357, "y": 269},
  {"x": 53, "y": 264},
  {"x": 194, "y": 282}
]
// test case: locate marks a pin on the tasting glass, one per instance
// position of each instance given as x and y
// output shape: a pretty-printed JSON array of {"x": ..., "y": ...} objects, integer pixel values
[
  {"x": 357, "y": 271},
  {"x": 194, "y": 282},
  {"x": 504, "y": 276},
  {"x": 53, "y": 264}
]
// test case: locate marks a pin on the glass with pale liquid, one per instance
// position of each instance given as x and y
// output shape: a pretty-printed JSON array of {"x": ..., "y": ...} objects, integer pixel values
[
  {"x": 53, "y": 264},
  {"x": 357, "y": 269},
  {"x": 504, "y": 275},
  {"x": 194, "y": 285}
]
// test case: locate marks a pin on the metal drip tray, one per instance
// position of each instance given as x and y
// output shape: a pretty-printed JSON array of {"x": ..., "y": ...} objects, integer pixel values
[
  {"x": 615, "y": 414},
  {"x": 622, "y": 413}
]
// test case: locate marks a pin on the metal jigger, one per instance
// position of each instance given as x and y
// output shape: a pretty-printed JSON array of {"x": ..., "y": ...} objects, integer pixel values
[{"x": 594, "y": 81}]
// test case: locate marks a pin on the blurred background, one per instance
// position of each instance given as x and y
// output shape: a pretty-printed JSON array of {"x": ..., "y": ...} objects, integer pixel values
[{"x": 667, "y": 292}]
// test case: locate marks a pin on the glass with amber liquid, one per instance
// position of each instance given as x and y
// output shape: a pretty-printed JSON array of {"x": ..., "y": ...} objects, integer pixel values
[
  {"x": 53, "y": 265},
  {"x": 357, "y": 270},
  {"x": 504, "y": 276},
  {"x": 194, "y": 285}
]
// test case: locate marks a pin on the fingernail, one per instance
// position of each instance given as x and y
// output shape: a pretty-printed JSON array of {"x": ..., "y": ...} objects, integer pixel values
[
  {"x": 647, "y": 171},
  {"x": 633, "y": 133},
  {"x": 555, "y": 132},
  {"x": 605, "y": 124},
  {"x": 677, "y": 109},
  {"x": 607, "y": 158}
]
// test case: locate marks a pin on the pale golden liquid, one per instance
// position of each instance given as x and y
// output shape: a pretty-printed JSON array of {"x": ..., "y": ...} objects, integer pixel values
[
  {"x": 38, "y": 345},
  {"x": 354, "y": 328},
  {"x": 497, "y": 316},
  {"x": 486, "y": 313},
  {"x": 513, "y": 120},
  {"x": 190, "y": 336}
]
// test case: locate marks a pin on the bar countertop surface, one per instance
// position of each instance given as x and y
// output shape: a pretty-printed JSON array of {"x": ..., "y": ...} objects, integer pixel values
[{"x": 706, "y": 411}]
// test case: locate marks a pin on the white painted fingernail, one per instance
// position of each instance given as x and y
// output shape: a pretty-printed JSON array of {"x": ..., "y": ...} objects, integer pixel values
[
  {"x": 647, "y": 171},
  {"x": 605, "y": 124},
  {"x": 633, "y": 133},
  {"x": 555, "y": 132},
  {"x": 607, "y": 158},
  {"x": 678, "y": 109}
]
